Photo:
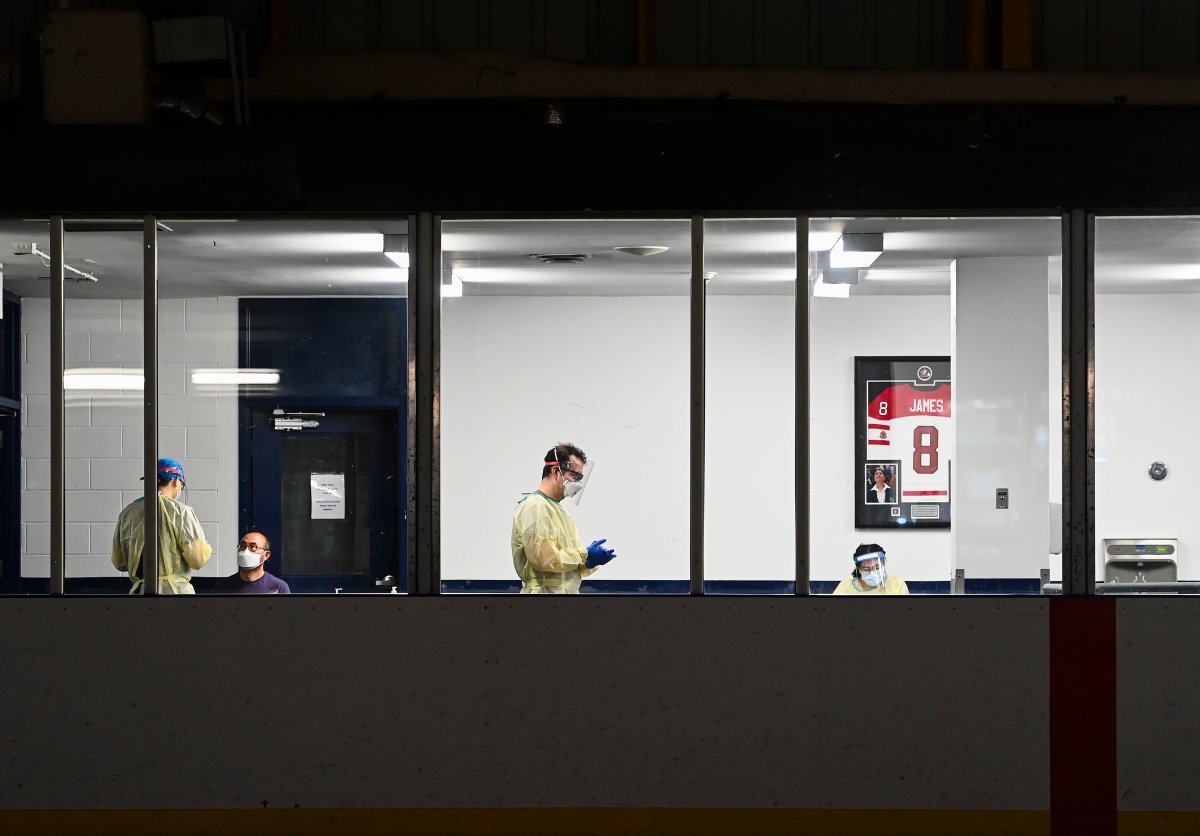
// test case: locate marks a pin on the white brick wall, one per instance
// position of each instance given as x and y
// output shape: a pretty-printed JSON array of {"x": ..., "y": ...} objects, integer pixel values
[{"x": 104, "y": 429}]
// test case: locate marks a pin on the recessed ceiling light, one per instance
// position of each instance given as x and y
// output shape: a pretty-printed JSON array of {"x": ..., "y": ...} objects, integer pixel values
[
  {"x": 559, "y": 258},
  {"x": 642, "y": 250}
]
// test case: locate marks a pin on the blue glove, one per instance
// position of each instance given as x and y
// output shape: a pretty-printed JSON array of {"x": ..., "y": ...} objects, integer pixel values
[{"x": 598, "y": 555}]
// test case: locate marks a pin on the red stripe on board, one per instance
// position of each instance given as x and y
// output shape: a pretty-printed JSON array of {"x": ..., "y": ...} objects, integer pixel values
[
  {"x": 878, "y": 426},
  {"x": 1083, "y": 716},
  {"x": 884, "y": 443},
  {"x": 926, "y": 493}
]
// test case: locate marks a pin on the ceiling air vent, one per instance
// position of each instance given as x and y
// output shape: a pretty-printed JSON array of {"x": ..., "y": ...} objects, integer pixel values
[{"x": 559, "y": 258}]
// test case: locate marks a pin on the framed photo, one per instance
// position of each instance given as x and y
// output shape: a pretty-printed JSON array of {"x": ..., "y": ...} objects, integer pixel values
[{"x": 904, "y": 435}]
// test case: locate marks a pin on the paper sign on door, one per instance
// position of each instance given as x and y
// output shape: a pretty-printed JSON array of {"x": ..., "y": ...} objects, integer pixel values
[{"x": 328, "y": 495}]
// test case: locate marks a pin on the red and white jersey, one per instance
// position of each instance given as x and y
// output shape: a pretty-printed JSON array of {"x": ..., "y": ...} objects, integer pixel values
[{"x": 912, "y": 425}]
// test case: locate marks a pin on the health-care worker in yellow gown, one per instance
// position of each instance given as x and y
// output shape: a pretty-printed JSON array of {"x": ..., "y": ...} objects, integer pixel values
[
  {"x": 546, "y": 550},
  {"x": 182, "y": 546},
  {"x": 870, "y": 576}
]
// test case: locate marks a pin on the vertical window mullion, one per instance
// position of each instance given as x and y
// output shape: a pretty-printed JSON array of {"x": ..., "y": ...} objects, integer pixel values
[
  {"x": 1079, "y": 404},
  {"x": 58, "y": 479},
  {"x": 149, "y": 565},
  {"x": 424, "y": 330},
  {"x": 803, "y": 464},
  {"x": 696, "y": 465}
]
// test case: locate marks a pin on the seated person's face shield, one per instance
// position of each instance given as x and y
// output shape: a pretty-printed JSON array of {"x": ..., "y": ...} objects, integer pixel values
[{"x": 871, "y": 569}]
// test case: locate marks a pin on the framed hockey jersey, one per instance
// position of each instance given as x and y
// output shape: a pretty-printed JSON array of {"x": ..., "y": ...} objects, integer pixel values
[{"x": 904, "y": 441}]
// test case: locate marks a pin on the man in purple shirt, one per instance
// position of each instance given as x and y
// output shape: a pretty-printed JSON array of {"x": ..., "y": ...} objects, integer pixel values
[{"x": 251, "y": 577}]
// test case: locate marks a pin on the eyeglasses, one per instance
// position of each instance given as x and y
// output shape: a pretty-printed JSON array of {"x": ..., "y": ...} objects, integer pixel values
[
  {"x": 865, "y": 568},
  {"x": 572, "y": 475},
  {"x": 254, "y": 547}
]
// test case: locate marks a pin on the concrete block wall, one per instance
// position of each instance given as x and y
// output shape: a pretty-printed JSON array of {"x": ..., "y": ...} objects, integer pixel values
[{"x": 104, "y": 439}]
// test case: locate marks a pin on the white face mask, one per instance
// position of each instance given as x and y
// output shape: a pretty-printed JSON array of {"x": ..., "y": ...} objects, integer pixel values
[
  {"x": 872, "y": 578},
  {"x": 249, "y": 560},
  {"x": 571, "y": 488}
]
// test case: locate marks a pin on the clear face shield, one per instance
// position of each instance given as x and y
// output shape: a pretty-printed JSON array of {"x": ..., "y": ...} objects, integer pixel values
[
  {"x": 574, "y": 481},
  {"x": 572, "y": 487},
  {"x": 872, "y": 569}
]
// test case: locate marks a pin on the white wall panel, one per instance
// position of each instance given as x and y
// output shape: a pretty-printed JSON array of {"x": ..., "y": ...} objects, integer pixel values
[
  {"x": 115, "y": 474},
  {"x": 1144, "y": 405},
  {"x": 839, "y": 332},
  {"x": 104, "y": 438},
  {"x": 93, "y": 505},
  {"x": 514, "y": 383},
  {"x": 114, "y": 348},
  {"x": 94, "y": 442},
  {"x": 1001, "y": 406}
]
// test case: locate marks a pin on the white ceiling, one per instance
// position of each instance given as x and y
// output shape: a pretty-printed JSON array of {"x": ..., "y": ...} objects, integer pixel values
[{"x": 338, "y": 257}]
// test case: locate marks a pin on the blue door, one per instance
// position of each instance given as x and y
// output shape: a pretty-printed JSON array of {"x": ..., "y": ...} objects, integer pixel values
[
  {"x": 326, "y": 486},
  {"x": 322, "y": 455}
]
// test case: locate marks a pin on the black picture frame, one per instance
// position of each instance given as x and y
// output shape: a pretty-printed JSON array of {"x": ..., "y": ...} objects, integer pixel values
[{"x": 902, "y": 420}]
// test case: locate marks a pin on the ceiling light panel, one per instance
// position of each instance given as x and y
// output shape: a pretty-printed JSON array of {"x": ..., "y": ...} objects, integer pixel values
[{"x": 857, "y": 249}]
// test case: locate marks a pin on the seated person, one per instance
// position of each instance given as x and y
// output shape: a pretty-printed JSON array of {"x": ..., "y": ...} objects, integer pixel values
[
  {"x": 251, "y": 577},
  {"x": 870, "y": 575}
]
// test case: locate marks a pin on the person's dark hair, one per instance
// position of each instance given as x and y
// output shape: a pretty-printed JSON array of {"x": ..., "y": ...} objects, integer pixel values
[
  {"x": 166, "y": 480},
  {"x": 864, "y": 548},
  {"x": 564, "y": 453},
  {"x": 266, "y": 539}
]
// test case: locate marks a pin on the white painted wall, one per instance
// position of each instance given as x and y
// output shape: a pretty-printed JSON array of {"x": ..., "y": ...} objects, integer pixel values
[
  {"x": 1054, "y": 413},
  {"x": 610, "y": 375},
  {"x": 104, "y": 435},
  {"x": 621, "y": 392},
  {"x": 1146, "y": 402},
  {"x": 750, "y": 418},
  {"x": 497, "y": 408},
  {"x": 1001, "y": 407},
  {"x": 839, "y": 328}
]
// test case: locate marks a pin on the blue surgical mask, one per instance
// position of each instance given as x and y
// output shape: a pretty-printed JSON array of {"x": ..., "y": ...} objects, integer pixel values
[{"x": 872, "y": 578}]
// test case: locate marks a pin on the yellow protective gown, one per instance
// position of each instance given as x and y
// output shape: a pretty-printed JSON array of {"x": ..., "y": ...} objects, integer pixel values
[
  {"x": 546, "y": 550},
  {"x": 181, "y": 545},
  {"x": 892, "y": 585}
]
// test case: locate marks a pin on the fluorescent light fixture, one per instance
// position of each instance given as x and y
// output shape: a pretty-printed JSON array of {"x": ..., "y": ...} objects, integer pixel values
[
  {"x": 831, "y": 291},
  {"x": 104, "y": 379},
  {"x": 33, "y": 249},
  {"x": 452, "y": 288},
  {"x": 643, "y": 249},
  {"x": 235, "y": 377},
  {"x": 904, "y": 274},
  {"x": 856, "y": 249},
  {"x": 395, "y": 247}
]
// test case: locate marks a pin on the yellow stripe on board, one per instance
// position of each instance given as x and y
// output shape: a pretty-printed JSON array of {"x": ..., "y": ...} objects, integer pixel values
[
  {"x": 1153, "y": 823},
  {"x": 530, "y": 822}
]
